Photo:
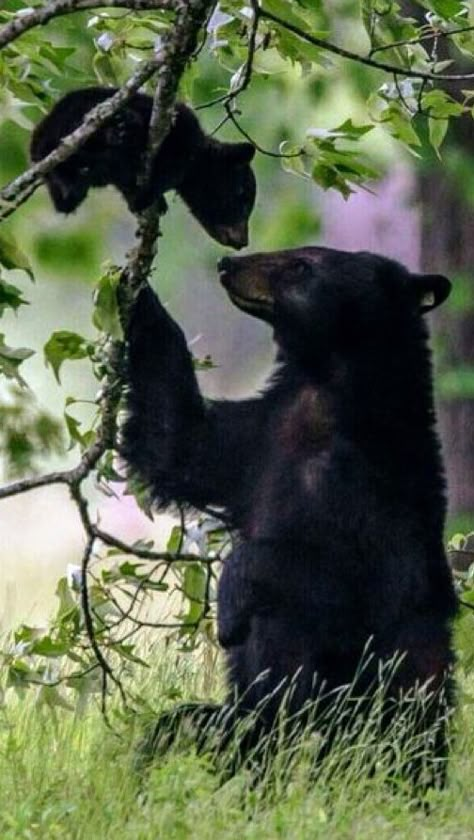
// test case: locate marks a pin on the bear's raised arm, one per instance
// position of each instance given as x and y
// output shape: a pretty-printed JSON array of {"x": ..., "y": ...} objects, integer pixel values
[
  {"x": 185, "y": 448},
  {"x": 214, "y": 179}
]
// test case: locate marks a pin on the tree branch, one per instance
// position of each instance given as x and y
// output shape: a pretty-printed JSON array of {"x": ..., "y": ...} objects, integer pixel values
[
  {"x": 178, "y": 47},
  {"x": 22, "y": 23},
  {"x": 146, "y": 553},
  {"x": 427, "y": 36},
  {"x": 327, "y": 46},
  {"x": 84, "y": 467}
]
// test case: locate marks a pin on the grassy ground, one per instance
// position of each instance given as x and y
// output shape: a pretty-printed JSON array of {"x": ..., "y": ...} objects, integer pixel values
[{"x": 62, "y": 777}]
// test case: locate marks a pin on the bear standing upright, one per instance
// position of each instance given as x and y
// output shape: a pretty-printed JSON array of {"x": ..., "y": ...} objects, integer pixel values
[{"x": 333, "y": 478}]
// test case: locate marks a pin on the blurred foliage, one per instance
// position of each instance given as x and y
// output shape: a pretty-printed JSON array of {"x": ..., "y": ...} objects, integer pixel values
[
  {"x": 27, "y": 433},
  {"x": 58, "y": 657}
]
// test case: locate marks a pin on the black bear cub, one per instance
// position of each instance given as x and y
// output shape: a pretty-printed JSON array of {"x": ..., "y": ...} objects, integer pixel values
[
  {"x": 214, "y": 179},
  {"x": 333, "y": 479}
]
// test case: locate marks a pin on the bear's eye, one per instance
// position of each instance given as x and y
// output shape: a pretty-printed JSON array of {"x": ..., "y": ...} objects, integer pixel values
[{"x": 300, "y": 269}]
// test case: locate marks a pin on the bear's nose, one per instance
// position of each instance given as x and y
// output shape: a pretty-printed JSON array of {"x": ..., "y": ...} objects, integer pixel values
[{"x": 225, "y": 265}]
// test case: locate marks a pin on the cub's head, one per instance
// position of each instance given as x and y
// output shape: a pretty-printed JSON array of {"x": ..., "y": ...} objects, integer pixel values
[
  {"x": 321, "y": 301},
  {"x": 220, "y": 191}
]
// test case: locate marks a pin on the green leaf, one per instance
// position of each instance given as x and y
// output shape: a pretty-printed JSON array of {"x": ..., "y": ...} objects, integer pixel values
[
  {"x": 126, "y": 652},
  {"x": 328, "y": 177},
  {"x": 293, "y": 161},
  {"x": 47, "y": 647},
  {"x": 106, "y": 315},
  {"x": 175, "y": 539},
  {"x": 11, "y": 358},
  {"x": 64, "y": 345},
  {"x": 437, "y": 132},
  {"x": 10, "y": 297},
  {"x": 132, "y": 570},
  {"x": 25, "y": 634},
  {"x": 194, "y": 591},
  {"x": 11, "y": 256},
  {"x": 400, "y": 125},
  {"x": 350, "y": 131},
  {"x": 285, "y": 11},
  {"x": 447, "y": 9},
  {"x": 84, "y": 439},
  {"x": 440, "y": 105},
  {"x": 66, "y": 599},
  {"x": 155, "y": 586}
]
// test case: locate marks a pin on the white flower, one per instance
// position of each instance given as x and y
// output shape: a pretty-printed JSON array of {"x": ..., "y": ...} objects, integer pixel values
[
  {"x": 237, "y": 78},
  {"x": 105, "y": 41},
  {"x": 319, "y": 132},
  {"x": 196, "y": 535},
  {"x": 218, "y": 19}
]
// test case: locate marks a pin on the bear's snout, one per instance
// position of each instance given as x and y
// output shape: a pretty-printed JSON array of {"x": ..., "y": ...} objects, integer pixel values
[{"x": 225, "y": 265}]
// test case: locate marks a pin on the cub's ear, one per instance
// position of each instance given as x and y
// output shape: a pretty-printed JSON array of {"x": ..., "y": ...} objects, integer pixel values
[
  {"x": 242, "y": 152},
  {"x": 430, "y": 290}
]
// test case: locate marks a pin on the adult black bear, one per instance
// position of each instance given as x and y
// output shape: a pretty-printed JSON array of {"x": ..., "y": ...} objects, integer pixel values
[
  {"x": 333, "y": 478},
  {"x": 213, "y": 178}
]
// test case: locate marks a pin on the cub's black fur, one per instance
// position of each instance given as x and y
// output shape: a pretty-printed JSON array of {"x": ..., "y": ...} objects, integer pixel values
[
  {"x": 333, "y": 479},
  {"x": 213, "y": 178}
]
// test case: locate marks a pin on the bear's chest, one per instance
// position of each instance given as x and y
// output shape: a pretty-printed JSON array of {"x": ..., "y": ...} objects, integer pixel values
[{"x": 293, "y": 465}]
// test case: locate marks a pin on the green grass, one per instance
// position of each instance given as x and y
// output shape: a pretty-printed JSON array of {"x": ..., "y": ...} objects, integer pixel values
[{"x": 67, "y": 777}]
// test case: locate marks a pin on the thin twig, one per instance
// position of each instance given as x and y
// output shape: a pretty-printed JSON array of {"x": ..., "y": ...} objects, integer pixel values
[
  {"x": 107, "y": 670},
  {"x": 438, "y": 33},
  {"x": 74, "y": 675},
  {"x": 84, "y": 467},
  {"x": 230, "y": 115},
  {"x": 89, "y": 625},
  {"x": 146, "y": 553}
]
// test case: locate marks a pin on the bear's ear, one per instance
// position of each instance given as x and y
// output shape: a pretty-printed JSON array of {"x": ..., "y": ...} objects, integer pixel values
[
  {"x": 242, "y": 152},
  {"x": 431, "y": 290}
]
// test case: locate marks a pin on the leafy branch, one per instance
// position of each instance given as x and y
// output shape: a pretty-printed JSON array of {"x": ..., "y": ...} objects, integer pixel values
[
  {"x": 432, "y": 35},
  {"x": 22, "y": 22},
  {"x": 366, "y": 60},
  {"x": 169, "y": 62}
]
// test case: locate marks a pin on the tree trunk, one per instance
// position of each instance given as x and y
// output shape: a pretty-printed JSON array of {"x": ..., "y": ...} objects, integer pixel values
[{"x": 448, "y": 247}]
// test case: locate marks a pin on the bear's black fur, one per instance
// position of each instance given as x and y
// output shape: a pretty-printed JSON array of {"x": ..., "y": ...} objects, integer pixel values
[
  {"x": 213, "y": 178},
  {"x": 332, "y": 478}
]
